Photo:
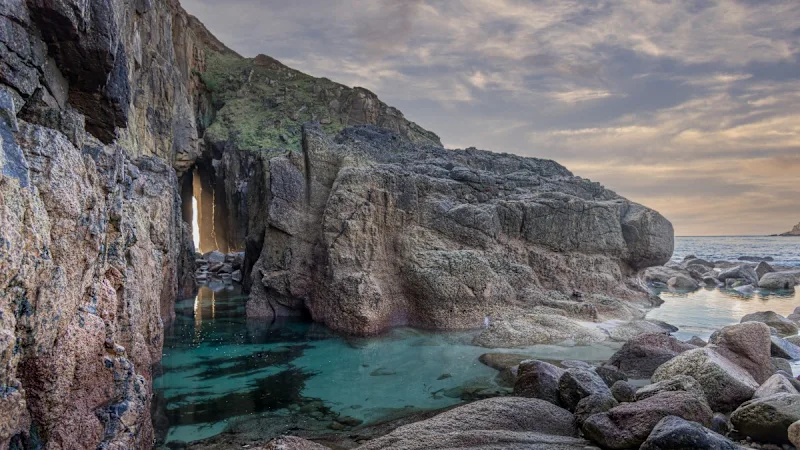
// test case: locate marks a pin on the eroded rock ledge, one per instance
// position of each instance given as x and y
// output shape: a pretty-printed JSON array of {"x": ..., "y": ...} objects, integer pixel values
[{"x": 368, "y": 231}]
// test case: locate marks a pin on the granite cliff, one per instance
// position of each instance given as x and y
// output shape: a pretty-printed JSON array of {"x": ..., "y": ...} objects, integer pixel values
[{"x": 360, "y": 218}]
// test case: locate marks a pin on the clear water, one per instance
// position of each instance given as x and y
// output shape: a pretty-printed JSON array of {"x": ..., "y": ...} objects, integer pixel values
[
  {"x": 218, "y": 367},
  {"x": 785, "y": 250}
]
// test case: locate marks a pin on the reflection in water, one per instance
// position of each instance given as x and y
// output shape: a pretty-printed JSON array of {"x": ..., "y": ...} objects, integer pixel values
[{"x": 701, "y": 312}]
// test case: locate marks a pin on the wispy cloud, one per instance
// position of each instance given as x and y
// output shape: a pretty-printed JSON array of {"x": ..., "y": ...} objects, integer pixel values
[{"x": 691, "y": 107}]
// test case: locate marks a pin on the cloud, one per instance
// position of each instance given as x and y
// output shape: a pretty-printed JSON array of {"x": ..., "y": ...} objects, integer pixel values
[{"x": 691, "y": 107}]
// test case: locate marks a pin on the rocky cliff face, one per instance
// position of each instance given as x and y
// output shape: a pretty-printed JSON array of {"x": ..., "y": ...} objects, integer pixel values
[
  {"x": 107, "y": 108},
  {"x": 96, "y": 106},
  {"x": 369, "y": 230},
  {"x": 795, "y": 231}
]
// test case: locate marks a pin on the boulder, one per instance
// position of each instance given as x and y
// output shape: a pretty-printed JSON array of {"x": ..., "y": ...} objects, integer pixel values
[
  {"x": 793, "y": 339},
  {"x": 725, "y": 384},
  {"x": 640, "y": 357},
  {"x": 536, "y": 328},
  {"x": 610, "y": 374},
  {"x": 794, "y": 434},
  {"x": 743, "y": 272},
  {"x": 746, "y": 345},
  {"x": 768, "y": 419},
  {"x": 776, "y": 384},
  {"x": 682, "y": 383},
  {"x": 591, "y": 405},
  {"x": 576, "y": 384},
  {"x": 629, "y": 424},
  {"x": 538, "y": 379},
  {"x": 623, "y": 391},
  {"x": 675, "y": 433},
  {"x": 214, "y": 256},
  {"x": 711, "y": 281},
  {"x": 762, "y": 269},
  {"x": 784, "y": 326},
  {"x": 781, "y": 348},
  {"x": 779, "y": 280},
  {"x": 236, "y": 276},
  {"x": 508, "y": 422}
]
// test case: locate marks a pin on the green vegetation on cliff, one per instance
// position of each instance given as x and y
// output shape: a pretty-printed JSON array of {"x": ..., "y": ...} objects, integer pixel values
[{"x": 261, "y": 103}]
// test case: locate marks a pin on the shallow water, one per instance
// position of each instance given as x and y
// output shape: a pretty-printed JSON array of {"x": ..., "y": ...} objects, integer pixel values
[
  {"x": 217, "y": 366},
  {"x": 785, "y": 250}
]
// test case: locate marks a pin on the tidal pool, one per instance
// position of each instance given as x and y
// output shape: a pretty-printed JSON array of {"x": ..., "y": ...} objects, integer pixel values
[{"x": 218, "y": 367}]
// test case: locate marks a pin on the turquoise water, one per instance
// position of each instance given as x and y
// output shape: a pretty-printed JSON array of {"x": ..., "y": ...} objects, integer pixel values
[{"x": 219, "y": 367}]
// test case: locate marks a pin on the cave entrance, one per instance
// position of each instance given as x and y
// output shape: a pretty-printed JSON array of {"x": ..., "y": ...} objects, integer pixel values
[{"x": 205, "y": 209}]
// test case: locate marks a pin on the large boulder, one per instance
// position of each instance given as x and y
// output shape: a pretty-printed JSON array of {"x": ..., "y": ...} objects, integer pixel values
[
  {"x": 538, "y": 379},
  {"x": 725, "y": 384},
  {"x": 675, "y": 433},
  {"x": 575, "y": 384},
  {"x": 746, "y": 345},
  {"x": 784, "y": 326},
  {"x": 779, "y": 280},
  {"x": 640, "y": 357},
  {"x": 509, "y": 422},
  {"x": 742, "y": 272},
  {"x": 629, "y": 424},
  {"x": 768, "y": 419}
]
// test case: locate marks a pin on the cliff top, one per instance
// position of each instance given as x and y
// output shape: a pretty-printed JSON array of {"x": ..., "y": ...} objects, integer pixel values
[{"x": 262, "y": 103}]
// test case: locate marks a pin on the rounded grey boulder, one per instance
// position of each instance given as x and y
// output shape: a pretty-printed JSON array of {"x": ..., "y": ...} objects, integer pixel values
[{"x": 784, "y": 326}]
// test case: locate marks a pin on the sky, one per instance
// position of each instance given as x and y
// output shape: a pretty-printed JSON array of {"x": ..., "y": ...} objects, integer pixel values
[{"x": 689, "y": 107}]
